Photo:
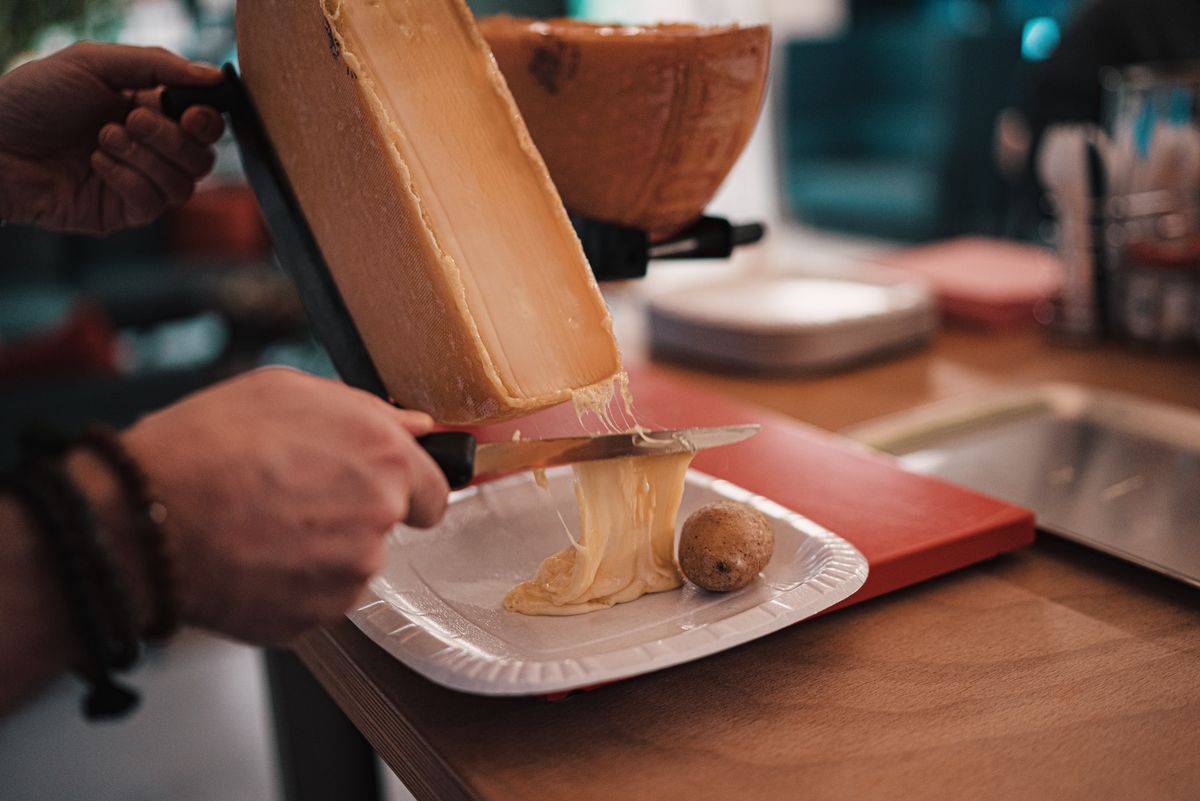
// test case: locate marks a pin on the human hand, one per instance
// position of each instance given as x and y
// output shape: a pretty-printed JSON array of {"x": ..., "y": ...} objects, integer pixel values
[
  {"x": 84, "y": 147},
  {"x": 280, "y": 488}
]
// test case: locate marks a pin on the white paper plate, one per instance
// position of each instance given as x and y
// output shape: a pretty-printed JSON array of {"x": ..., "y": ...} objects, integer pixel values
[
  {"x": 437, "y": 604},
  {"x": 794, "y": 322}
]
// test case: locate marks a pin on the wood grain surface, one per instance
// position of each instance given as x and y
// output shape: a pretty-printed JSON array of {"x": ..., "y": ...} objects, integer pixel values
[{"x": 1054, "y": 672}]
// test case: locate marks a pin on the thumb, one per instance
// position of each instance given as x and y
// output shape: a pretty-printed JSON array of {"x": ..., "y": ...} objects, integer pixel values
[{"x": 128, "y": 67}]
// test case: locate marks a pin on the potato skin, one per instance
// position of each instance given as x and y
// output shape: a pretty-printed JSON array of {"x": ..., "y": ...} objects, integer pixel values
[{"x": 724, "y": 545}]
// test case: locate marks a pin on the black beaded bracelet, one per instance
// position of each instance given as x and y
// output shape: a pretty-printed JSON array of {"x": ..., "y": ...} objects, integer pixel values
[
  {"x": 88, "y": 538},
  {"x": 147, "y": 516},
  {"x": 41, "y": 492}
]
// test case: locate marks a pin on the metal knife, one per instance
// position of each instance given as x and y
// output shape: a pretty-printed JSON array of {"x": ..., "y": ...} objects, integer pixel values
[{"x": 462, "y": 460}]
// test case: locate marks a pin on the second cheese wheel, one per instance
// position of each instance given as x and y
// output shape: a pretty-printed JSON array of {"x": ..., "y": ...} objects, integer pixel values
[{"x": 638, "y": 125}]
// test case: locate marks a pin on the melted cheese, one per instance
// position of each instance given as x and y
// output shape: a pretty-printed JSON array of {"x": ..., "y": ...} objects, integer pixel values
[
  {"x": 597, "y": 400},
  {"x": 626, "y": 545}
]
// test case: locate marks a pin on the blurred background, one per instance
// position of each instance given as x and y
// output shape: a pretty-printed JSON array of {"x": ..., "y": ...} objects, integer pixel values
[
  {"x": 888, "y": 124},
  {"x": 881, "y": 123}
]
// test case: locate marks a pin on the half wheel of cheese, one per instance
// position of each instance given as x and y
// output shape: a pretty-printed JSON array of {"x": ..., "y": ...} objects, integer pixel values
[{"x": 638, "y": 125}]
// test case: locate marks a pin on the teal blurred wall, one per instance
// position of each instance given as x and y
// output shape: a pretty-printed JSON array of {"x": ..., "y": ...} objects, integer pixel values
[{"x": 524, "y": 8}]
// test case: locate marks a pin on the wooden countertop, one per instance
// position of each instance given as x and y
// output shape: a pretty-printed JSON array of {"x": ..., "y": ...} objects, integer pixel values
[{"x": 1053, "y": 672}]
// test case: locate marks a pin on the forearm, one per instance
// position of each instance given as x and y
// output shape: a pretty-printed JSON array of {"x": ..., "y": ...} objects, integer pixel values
[
  {"x": 35, "y": 624},
  {"x": 40, "y": 635}
]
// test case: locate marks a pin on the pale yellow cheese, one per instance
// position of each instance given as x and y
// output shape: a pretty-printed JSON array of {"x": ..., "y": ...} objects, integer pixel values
[
  {"x": 429, "y": 202},
  {"x": 626, "y": 544}
]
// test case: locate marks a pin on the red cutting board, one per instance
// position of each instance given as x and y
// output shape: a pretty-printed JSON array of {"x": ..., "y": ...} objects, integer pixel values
[{"x": 909, "y": 527}]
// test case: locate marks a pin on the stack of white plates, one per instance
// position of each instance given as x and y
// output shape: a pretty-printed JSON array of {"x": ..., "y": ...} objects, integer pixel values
[{"x": 791, "y": 323}]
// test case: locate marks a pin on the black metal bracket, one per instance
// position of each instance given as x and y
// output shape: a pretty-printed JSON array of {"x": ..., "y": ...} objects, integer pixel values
[
  {"x": 618, "y": 253},
  {"x": 295, "y": 246}
]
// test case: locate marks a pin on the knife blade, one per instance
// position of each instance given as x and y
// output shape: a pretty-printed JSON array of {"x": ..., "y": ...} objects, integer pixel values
[{"x": 462, "y": 460}]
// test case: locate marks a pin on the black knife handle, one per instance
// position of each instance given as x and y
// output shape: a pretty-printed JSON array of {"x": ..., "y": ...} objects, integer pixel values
[
  {"x": 454, "y": 452},
  {"x": 222, "y": 96}
]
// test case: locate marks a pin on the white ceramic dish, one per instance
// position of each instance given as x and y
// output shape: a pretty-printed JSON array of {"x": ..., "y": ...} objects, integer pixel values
[{"x": 437, "y": 604}]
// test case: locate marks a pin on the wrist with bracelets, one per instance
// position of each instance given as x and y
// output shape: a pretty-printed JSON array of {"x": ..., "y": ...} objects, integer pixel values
[
  {"x": 147, "y": 517},
  {"x": 94, "y": 588}
]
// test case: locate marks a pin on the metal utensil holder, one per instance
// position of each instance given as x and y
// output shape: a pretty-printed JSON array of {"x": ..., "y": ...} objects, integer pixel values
[
  {"x": 1152, "y": 209},
  {"x": 1131, "y": 243},
  {"x": 1154, "y": 278}
]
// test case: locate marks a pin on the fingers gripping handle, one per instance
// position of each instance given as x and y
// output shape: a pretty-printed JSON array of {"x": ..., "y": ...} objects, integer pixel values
[
  {"x": 177, "y": 99},
  {"x": 454, "y": 452}
]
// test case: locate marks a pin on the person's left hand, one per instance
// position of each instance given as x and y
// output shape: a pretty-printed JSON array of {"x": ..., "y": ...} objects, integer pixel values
[{"x": 84, "y": 147}]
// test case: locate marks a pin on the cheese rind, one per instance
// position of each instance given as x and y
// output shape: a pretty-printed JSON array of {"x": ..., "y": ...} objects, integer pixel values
[
  {"x": 639, "y": 125},
  {"x": 429, "y": 202}
]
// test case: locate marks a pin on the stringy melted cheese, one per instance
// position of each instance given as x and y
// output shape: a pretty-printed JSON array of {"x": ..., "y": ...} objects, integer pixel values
[{"x": 626, "y": 545}]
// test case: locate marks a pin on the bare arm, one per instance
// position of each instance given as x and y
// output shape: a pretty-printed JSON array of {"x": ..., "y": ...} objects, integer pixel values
[
  {"x": 33, "y": 620},
  {"x": 279, "y": 489},
  {"x": 36, "y": 627}
]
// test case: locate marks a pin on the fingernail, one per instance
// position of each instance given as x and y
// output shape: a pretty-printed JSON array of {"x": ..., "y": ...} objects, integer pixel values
[
  {"x": 139, "y": 122},
  {"x": 114, "y": 139}
]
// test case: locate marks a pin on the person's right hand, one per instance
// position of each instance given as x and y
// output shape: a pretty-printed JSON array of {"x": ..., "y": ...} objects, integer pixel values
[{"x": 279, "y": 489}]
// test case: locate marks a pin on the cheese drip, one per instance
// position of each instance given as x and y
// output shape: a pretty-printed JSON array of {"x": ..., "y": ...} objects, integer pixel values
[{"x": 626, "y": 545}]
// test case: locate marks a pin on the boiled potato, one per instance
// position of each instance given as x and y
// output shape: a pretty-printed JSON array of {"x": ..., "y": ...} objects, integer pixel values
[{"x": 724, "y": 545}]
